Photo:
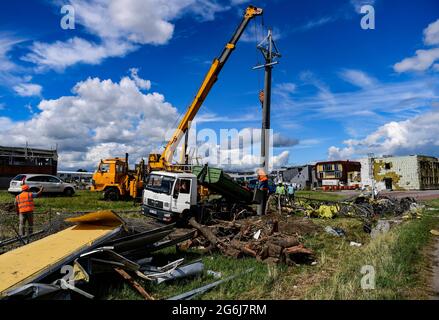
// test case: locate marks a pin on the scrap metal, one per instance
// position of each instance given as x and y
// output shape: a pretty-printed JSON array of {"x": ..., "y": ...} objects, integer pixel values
[{"x": 32, "y": 262}]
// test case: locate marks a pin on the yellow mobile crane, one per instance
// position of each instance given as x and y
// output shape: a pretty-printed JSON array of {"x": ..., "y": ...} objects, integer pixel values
[
  {"x": 162, "y": 161},
  {"x": 116, "y": 180}
]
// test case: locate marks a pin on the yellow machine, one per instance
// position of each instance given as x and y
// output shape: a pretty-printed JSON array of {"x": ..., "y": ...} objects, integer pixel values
[
  {"x": 117, "y": 181},
  {"x": 163, "y": 161}
]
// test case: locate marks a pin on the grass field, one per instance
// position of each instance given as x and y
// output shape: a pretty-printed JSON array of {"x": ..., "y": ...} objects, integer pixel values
[
  {"x": 81, "y": 201},
  {"x": 399, "y": 258}
]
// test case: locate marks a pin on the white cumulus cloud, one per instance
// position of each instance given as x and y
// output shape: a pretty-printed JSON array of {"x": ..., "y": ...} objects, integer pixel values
[
  {"x": 120, "y": 26},
  {"x": 431, "y": 34},
  {"x": 424, "y": 59},
  {"x": 28, "y": 89},
  {"x": 417, "y": 135},
  {"x": 101, "y": 118},
  {"x": 62, "y": 54}
]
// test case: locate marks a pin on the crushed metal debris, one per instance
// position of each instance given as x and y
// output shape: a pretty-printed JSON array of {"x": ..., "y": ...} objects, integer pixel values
[{"x": 104, "y": 243}]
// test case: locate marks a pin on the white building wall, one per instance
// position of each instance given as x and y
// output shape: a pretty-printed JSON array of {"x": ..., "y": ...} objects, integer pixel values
[
  {"x": 407, "y": 168},
  {"x": 366, "y": 181}
]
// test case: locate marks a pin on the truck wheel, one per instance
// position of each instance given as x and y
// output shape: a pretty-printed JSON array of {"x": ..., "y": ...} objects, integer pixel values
[
  {"x": 111, "y": 195},
  {"x": 183, "y": 219},
  {"x": 69, "y": 192}
]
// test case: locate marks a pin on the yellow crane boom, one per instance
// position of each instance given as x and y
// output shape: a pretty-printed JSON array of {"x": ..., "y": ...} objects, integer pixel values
[{"x": 163, "y": 161}]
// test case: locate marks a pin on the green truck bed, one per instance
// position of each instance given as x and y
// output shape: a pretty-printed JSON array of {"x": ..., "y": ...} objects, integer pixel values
[{"x": 217, "y": 180}]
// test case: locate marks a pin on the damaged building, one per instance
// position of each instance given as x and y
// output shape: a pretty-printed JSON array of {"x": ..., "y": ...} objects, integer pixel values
[
  {"x": 414, "y": 172},
  {"x": 16, "y": 160},
  {"x": 302, "y": 176},
  {"x": 338, "y": 173}
]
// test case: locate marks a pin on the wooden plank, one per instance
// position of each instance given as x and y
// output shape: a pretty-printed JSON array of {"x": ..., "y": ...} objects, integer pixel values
[{"x": 134, "y": 283}]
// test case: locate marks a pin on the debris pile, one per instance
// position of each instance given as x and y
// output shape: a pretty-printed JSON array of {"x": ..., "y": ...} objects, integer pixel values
[
  {"x": 360, "y": 207},
  {"x": 103, "y": 243},
  {"x": 266, "y": 239}
]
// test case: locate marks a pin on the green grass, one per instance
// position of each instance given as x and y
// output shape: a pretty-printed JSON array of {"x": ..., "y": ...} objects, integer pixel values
[
  {"x": 433, "y": 203},
  {"x": 320, "y": 195},
  {"x": 82, "y": 201},
  {"x": 251, "y": 285},
  {"x": 398, "y": 258},
  {"x": 49, "y": 207}
]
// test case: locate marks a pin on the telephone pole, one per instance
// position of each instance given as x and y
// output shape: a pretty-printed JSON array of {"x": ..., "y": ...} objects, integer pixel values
[{"x": 270, "y": 53}]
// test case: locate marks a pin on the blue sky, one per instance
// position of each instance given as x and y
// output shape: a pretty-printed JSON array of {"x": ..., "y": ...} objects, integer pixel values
[{"x": 338, "y": 92}]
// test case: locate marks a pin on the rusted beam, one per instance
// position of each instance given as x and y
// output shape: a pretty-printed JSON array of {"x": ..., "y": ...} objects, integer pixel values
[{"x": 134, "y": 284}]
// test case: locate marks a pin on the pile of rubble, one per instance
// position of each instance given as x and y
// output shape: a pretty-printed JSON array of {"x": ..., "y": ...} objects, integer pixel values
[
  {"x": 267, "y": 239},
  {"x": 363, "y": 207},
  {"x": 112, "y": 245}
]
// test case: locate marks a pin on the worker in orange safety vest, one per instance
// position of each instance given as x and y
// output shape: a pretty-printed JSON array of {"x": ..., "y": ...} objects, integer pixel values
[
  {"x": 262, "y": 187},
  {"x": 24, "y": 205}
]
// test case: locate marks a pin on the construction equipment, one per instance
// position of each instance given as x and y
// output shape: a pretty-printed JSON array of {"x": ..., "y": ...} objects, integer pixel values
[
  {"x": 117, "y": 181},
  {"x": 113, "y": 176},
  {"x": 157, "y": 162},
  {"x": 171, "y": 194}
]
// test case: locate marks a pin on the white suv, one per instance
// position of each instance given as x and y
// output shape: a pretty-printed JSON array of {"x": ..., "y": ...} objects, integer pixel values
[{"x": 51, "y": 184}]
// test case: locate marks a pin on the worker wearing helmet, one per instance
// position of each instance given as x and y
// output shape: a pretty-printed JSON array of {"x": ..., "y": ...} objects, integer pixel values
[
  {"x": 24, "y": 204},
  {"x": 262, "y": 187}
]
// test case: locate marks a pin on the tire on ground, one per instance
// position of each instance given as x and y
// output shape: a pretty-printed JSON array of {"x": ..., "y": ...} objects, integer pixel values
[
  {"x": 111, "y": 194},
  {"x": 69, "y": 192}
]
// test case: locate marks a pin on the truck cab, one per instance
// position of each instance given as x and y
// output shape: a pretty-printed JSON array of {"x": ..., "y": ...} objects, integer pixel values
[
  {"x": 169, "y": 196},
  {"x": 110, "y": 174},
  {"x": 114, "y": 178}
]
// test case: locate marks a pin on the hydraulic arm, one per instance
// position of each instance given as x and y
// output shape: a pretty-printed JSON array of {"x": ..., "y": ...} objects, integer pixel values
[{"x": 163, "y": 161}]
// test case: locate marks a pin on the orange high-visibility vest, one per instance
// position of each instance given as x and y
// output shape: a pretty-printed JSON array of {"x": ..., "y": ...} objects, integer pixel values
[
  {"x": 25, "y": 202},
  {"x": 263, "y": 183}
]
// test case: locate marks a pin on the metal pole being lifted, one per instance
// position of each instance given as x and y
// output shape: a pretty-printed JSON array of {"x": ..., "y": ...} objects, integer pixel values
[
  {"x": 266, "y": 126},
  {"x": 269, "y": 51}
]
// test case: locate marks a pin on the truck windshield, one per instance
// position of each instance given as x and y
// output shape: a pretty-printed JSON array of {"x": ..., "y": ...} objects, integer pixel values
[
  {"x": 161, "y": 184},
  {"x": 104, "y": 167}
]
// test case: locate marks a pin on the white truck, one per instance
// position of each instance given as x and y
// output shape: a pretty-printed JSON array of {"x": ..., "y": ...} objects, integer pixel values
[
  {"x": 177, "y": 196},
  {"x": 170, "y": 195}
]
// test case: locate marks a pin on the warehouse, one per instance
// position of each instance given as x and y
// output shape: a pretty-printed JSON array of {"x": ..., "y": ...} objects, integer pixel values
[{"x": 16, "y": 160}]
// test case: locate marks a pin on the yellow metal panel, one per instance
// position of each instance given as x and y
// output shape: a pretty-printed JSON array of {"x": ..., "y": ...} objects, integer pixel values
[
  {"x": 23, "y": 264},
  {"x": 105, "y": 217}
]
